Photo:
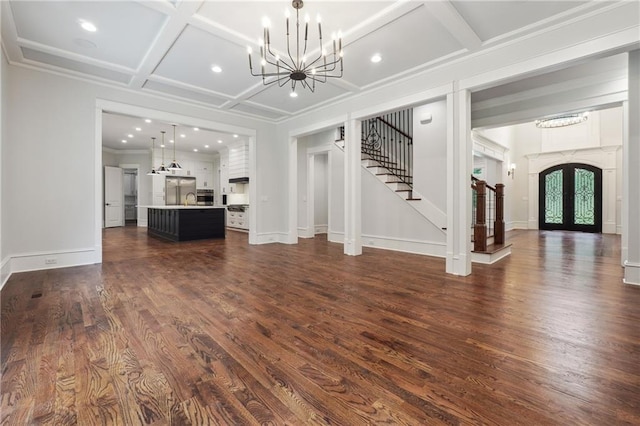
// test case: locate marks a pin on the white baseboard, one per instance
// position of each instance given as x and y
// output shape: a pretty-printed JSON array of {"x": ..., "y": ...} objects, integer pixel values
[
  {"x": 619, "y": 229},
  {"x": 609, "y": 228},
  {"x": 335, "y": 237},
  {"x": 273, "y": 237},
  {"x": 631, "y": 273},
  {"x": 304, "y": 233},
  {"x": 427, "y": 248},
  {"x": 518, "y": 224},
  {"x": 5, "y": 271},
  {"x": 321, "y": 229},
  {"x": 58, "y": 259}
]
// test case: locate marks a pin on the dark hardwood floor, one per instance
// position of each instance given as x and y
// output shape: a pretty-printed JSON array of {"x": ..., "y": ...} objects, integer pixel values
[{"x": 220, "y": 332}]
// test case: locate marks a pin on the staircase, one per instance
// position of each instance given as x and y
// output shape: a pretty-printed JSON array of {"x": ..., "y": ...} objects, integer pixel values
[{"x": 387, "y": 153}]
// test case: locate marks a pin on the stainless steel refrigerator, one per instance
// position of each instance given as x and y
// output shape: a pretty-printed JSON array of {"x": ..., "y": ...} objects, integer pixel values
[{"x": 180, "y": 191}]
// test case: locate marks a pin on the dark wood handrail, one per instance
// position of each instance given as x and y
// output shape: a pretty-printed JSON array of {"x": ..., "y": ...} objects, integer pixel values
[
  {"x": 475, "y": 179},
  {"x": 394, "y": 128}
]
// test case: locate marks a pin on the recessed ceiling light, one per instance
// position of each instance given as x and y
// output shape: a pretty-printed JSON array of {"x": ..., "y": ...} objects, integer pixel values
[
  {"x": 195, "y": 129},
  {"x": 129, "y": 135},
  {"x": 124, "y": 141},
  {"x": 235, "y": 136},
  {"x": 206, "y": 146},
  {"x": 147, "y": 121},
  {"x": 88, "y": 26},
  {"x": 216, "y": 69},
  {"x": 376, "y": 58},
  {"x": 219, "y": 141},
  {"x": 195, "y": 149},
  {"x": 171, "y": 141},
  {"x": 162, "y": 146},
  {"x": 183, "y": 135},
  {"x": 138, "y": 129},
  {"x": 293, "y": 94}
]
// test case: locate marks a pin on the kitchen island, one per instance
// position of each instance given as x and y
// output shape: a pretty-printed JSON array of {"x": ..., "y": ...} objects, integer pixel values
[{"x": 185, "y": 223}]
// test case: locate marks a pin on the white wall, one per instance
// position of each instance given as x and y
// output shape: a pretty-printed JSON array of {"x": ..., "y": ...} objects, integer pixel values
[
  {"x": 430, "y": 153},
  {"x": 4, "y": 247},
  {"x": 602, "y": 132},
  {"x": 53, "y": 122}
]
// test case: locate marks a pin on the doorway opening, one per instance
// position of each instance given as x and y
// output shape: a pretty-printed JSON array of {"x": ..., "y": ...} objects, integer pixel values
[
  {"x": 130, "y": 190},
  {"x": 571, "y": 198}
]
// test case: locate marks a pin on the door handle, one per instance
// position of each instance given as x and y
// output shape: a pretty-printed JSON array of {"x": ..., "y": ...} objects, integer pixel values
[{"x": 107, "y": 204}]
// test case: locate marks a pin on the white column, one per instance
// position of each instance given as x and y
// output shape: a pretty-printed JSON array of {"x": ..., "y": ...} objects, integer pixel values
[
  {"x": 631, "y": 197},
  {"x": 292, "y": 237},
  {"x": 459, "y": 163},
  {"x": 352, "y": 189}
]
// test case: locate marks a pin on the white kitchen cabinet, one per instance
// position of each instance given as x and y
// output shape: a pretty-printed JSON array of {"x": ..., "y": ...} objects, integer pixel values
[
  {"x": 204, "y": 174},
  {"x": 238, "y": 220}
]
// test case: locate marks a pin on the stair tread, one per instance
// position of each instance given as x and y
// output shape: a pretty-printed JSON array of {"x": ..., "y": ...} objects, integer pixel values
[{"x": 493, "y": 248}]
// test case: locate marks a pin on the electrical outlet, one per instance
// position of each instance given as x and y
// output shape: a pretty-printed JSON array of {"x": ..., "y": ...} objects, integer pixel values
[{"x": 50, "y": 260}]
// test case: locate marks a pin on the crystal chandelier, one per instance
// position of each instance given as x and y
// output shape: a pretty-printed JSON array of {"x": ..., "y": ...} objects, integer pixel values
[
  {"x": 561, "y": 121},
  {"x": 294, "y": 66}
]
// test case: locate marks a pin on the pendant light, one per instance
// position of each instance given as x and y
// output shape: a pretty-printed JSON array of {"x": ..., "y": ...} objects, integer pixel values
[
  {"x": 162, "y": 169},
  {"x": 174, "y": 165},
  {"x": 153, "y": 168}
]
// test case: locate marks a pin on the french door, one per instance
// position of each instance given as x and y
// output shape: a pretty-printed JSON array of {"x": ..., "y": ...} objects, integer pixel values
[{"x": 571, "y": 198}]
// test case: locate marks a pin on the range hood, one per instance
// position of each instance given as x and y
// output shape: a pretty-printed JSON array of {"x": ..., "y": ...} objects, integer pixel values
[{"x": 239, "y": 180}]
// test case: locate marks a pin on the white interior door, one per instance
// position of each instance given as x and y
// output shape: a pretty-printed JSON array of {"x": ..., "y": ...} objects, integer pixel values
[{"x": 113, "y": 197}]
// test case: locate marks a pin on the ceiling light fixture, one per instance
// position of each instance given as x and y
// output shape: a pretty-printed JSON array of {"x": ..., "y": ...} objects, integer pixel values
[
  {"x": 376, "y": 58},
  {"x": 206, "y": 146},
  {"x": 195, "y": 129},
  {"x": 562, "y": 120},
  {"x": 219, "y": 141},
  {"x": 174, "y": 164},
  {"x": 298, "y": 68},
  {"x": 88, "y": 26},
  {"x": 153, "y": 171},
  {"x": 195, "y": 149},
  {"x": 138, "y": 129},
  {"x": 235, "y": 136},
  {"x": 162, "y": 169},
  {"x": 124, "y": 141},
  {"x": 129, "y": 135},
  {"x": 147, "y": 120},
  {"x": 216, "y": 69}
]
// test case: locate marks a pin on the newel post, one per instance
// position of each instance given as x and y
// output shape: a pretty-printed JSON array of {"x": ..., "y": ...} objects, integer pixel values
[
  {"x": 498, "y": 225},
  {"x": 480, "y": 227}
]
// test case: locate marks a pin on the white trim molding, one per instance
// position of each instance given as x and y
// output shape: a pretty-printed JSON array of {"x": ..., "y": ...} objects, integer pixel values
[
  {"x": 5, "y": 271},
  {"x": 631, "y": 273},
  {"x": 426, "y": 248}
]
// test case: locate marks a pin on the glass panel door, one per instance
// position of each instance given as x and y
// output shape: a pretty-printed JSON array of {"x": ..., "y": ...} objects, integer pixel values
[{"x": 571, "y": 198}]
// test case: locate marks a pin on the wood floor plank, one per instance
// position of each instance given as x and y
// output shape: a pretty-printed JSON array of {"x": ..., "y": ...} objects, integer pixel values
[{"x": 221, "y": 332}]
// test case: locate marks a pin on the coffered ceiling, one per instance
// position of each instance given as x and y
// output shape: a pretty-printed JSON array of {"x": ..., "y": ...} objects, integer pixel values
[{"x": 169, "y": 47}]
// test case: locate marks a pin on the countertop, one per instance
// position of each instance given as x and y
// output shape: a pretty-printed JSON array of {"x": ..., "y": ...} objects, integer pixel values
[{"x": 183, "y": 207}]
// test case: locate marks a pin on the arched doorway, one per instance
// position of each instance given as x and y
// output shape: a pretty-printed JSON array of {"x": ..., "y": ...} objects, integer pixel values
[{"x": 571, "y": 198}]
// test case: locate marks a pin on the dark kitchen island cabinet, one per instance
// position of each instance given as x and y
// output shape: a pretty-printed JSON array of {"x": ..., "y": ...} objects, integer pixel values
[{"x": 185, "y": 223}]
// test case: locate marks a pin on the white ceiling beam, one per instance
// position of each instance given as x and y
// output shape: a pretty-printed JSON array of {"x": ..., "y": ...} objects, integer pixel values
[
  {"x": 10, "y": 34},
  {"x": 176, "y": 23},
  {"x": 454, "y": 23}
]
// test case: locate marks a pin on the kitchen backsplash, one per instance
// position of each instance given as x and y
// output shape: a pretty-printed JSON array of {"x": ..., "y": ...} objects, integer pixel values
[{"x": 236, "y": 198}]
